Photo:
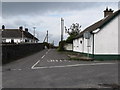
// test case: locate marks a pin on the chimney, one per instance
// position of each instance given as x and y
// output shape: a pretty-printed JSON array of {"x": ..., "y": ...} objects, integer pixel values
[
  {"x": 108, "y": 12},
  {"x": 21, "y": 28},
  {"x": 26, "y": 29},
  {"x": 3, "y": 26}
]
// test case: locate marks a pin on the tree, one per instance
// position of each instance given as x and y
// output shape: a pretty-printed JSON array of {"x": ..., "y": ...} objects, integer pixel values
[{"x": 73, "y": 31}]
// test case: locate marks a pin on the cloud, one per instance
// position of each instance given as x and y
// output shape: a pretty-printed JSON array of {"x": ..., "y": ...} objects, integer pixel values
[
  {"x": 42, "y": 7},
  {"x": 47, "y": 16}
]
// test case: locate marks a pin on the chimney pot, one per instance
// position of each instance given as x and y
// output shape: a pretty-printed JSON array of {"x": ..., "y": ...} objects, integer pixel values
[
  {"x": 108, "y": 12},
  {"x": 21, "y": 28},
  {"x": 26, "y": 29},
  {"x": 3, "y": 26}
]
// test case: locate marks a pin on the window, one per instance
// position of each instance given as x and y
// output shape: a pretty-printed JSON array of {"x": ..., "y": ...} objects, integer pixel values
[
  {"x": 81, "y": 42},
  {"x": 12, "y": 41},
  {"x": 26, "y": 40}
]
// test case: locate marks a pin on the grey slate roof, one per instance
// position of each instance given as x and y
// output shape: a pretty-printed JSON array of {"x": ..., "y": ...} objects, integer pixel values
[
  {"x": 100, "y": 24},
  {"x": 16, "y": 33}
]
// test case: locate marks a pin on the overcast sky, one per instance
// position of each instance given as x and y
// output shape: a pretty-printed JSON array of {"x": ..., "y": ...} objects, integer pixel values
[{"x": 47, "y": 15}]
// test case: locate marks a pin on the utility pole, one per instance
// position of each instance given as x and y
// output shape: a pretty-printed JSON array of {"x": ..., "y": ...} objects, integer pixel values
[
  {"x": 62, "y": 28},
  {"x": 22, "y": 37},
  {"x": 53, "y": 43},
  {"x": 34, "y": 34},
  {"x": 47, "y": 36}
]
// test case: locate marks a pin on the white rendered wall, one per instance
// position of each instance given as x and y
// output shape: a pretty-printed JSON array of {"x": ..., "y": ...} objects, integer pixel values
[
  {"x": 75, "y": 45},
  {"x": 91, "y": 44},
  {"x": 68, "y": 47},
  {"x": 85, "y": 46},
  {"x": 8, "y": 40},
  {"x": 81, "y": 47},
  {"x": 106, "y": 41},
  {"x": 17, "y": 40}
]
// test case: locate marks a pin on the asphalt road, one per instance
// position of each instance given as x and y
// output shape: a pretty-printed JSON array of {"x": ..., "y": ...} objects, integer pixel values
[{"x": 52, "y": 69}]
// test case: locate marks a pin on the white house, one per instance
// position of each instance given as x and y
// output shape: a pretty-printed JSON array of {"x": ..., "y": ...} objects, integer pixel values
[
  {"x": 100, "y": 40},
  {"x": 17, "y": 36}
]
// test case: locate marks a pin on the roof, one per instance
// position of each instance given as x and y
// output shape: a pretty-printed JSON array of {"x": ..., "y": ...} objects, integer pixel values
[
  {"x": 29, "y": 35},
  {"x": 16, "y": 33},
  {"x": 100, "y": 24}
]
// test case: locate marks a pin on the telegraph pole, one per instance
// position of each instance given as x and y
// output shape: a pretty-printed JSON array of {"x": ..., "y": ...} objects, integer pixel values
[
  {"x": 34, "y": 34},
  {"x": 62, "y": 28},
  {"x": 47, "y": 36}
]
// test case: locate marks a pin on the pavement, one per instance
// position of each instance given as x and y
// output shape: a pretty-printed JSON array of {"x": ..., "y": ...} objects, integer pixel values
[{"x": 51, "y": 69}]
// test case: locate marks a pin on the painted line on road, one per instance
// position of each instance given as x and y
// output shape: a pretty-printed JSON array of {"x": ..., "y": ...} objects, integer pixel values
[
  {"x": 60, "y": 60},
  {"x": 74, "y": 65},
  {"x": 35, "y": 64},
  {"x": 47, "y": 51},
  {"x": 39, "y": 60},
  {"x": 14, "y": 69},
  {"x": 43, "y": 56}
]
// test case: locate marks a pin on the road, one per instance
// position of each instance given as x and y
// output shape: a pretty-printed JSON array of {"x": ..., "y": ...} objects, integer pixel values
[{"x": 52, "y": 69}]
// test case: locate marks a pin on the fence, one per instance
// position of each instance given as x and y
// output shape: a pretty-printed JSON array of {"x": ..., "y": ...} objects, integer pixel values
[{"x": 11, "y": 52}]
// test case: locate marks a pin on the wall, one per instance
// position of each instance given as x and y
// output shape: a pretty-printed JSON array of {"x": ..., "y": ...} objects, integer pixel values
[
  {"x": 68, "y": 47},
  {"x": 11, "y": 52},
  {"x": 18, "y": 40},
  {"x": 76, "y": 45},
  {"x": 88, "y": 45},
  {"x": 83, "y": 47},
  {"x": 106, "y": 40}
]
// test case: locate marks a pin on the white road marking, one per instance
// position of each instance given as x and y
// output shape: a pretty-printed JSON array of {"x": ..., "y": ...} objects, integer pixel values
[
  {"x": 74, "y": 65},
  {"x": 19, "y": 69},
  {"x": 43, "y": 56},
  {"x": 57, "y": 60},
  {"x": 39, "y": 60},
  {"x": 16, "y": 69},
  {"x": 60, "y": 60},
  {"x": 35, "y": 64},
  {"x": 47, "y": 52}
]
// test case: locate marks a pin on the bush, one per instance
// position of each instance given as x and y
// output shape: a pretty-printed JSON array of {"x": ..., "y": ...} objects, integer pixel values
[
  {"x": 47, "y": 45},
  {"x": 61, "y": 46}
]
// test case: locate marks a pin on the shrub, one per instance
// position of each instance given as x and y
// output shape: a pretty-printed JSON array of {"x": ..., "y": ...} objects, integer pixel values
[{"x": 61, "y": 46}]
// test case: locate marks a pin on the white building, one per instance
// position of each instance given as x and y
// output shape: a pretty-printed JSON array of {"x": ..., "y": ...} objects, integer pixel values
[
  {"x": 100, "y": 40},
  {"x": 17, "y": 36}
]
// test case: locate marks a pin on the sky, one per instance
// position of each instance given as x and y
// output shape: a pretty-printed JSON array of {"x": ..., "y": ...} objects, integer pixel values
[{"x": 47, "y": 16}]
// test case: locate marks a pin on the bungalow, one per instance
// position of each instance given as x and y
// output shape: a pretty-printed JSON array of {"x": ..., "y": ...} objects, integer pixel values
[
  {"x": 17, "y": 36},
  {"x": 100, "y": 40}
]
